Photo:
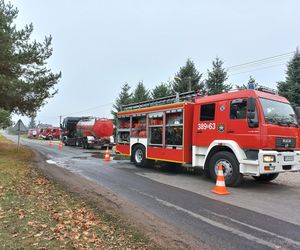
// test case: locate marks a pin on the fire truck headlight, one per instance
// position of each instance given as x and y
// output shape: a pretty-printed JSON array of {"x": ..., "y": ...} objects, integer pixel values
[{"x": 269, "y": 158}]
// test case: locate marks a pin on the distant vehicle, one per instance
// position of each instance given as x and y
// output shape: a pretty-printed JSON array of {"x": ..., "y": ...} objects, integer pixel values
[
  {"x": 87, "y": 132},
  {"x": 32, "y": 133},
  {"x": 50, "y": 133},
  {"x": 250, "y": 132}
]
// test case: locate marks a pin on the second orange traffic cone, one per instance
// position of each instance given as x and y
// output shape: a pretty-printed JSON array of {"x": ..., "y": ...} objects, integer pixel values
[
  {"x": 107, "y": 156},
  {"x": 220, "y": 184},
  {"x": 60, "y": 145},
  {"x": 50, "y": 143}
]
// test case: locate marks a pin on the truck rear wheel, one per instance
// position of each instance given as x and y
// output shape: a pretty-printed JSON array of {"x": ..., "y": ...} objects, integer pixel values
[
  {"x": 266, "y": 177},
  {"x": 231, "y": 169},
  {"x": 139, "y": 157},
  {"x": 84, "y": 143}
]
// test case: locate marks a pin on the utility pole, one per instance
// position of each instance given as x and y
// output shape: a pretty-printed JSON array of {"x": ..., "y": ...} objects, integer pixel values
[
  {"x": 60, "y": 135},
  {"x": 19, "y": 123}
]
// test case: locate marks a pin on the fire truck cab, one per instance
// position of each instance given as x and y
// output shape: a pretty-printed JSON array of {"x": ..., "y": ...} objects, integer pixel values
[{"x": 249, "y": 132}]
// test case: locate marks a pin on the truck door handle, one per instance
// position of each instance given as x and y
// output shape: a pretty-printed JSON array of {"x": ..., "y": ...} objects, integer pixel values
[{"x": 230, "y": 131}]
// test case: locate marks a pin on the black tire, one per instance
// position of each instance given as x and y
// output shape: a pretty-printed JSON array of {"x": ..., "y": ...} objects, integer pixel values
[
  {"x": 231, "y": 168},
  {"x": 139, "y": 157},
  {"x": 266, "y": 177},
  {"x": 84, "y": 143},
  {"x": 65, "y": 141},
  {"x": 206, "y": 173}
]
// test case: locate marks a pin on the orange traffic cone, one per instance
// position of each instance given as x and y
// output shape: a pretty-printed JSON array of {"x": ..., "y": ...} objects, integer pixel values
[
  {"x": 60, "y": 145},
  {"x": 220, "y": 184},
  {"x": 107, "y": 156},
  {"x": 50, "y": 143}
]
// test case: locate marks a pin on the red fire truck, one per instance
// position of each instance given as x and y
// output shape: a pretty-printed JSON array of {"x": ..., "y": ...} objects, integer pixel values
[
  {"x": 50, "y": 133},
  {"x": 250, "y": 132}
]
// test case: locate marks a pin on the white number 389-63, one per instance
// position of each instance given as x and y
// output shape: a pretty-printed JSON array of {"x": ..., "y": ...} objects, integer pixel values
[{"x": 205, "y": 126}]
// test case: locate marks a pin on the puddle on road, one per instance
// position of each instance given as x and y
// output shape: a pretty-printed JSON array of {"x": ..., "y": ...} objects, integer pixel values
[{"x": 51, "y": 162}]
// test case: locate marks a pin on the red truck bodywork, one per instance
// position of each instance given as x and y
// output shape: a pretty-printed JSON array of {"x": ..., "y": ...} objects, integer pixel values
[
  {"x": 99, "y": 128},
  {"x": 247, "y": 142},
  {"x": 50, "y": 133},
  {"x": 87, "y": 131}
]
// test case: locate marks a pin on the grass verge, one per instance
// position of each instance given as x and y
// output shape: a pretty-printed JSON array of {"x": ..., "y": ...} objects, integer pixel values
[{"x": 37, "y": 214}]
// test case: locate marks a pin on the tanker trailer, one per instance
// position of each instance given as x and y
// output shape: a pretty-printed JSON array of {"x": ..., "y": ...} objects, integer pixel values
[
  {"x": 94, "y": 131},
  {"x": 87, "y": 132}
]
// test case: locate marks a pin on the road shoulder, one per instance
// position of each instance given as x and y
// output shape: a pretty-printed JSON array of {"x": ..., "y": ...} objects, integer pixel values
[{"x": 163, "y": 234}]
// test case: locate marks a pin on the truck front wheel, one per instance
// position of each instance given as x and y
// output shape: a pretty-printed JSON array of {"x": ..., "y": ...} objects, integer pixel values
[
  {"x": 266, "y": 177},
  {"x": 231, "y": 169},
  {"x": 139, "y": 157}
]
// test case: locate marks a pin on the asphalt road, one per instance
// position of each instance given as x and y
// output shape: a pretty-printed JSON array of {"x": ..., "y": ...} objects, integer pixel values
[{"x": 254, "y": 216}]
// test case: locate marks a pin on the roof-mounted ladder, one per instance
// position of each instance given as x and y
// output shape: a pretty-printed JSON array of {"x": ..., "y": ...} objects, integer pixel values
[{"x": 190, "y": 95}]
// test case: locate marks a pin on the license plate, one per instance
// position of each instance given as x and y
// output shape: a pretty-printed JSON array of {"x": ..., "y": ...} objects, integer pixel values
[{"x": 288, "y": 158}]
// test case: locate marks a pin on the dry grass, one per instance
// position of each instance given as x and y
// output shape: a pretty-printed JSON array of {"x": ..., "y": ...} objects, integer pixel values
[{"x": 36, "y": 214}]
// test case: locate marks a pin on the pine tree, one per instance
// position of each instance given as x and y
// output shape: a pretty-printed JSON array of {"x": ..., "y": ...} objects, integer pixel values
[
  {"x": 25, "y": 80},
  {"x": 5, "y": 118},
  {"x": 140, "y": 93},
  {"x": 290, "y": 88},
  {"x": 188, "y": 74},
  {"x": 162, "y": 90},
  {"x": 215, "y": 83},
  {"x": 124, "y": 98}
]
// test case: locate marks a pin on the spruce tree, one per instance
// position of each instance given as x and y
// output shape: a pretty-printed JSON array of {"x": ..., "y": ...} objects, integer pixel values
[
  {"x": 140, "y": 93},
  {"x": 290, "y": 88},
  {"x": 188, "y": 74},
  {"x": 124, "y": 98},
  {"x": 32, "y": 123},
  {"x": 162, "y": 90},
  {"x": 215, "y": 83},
  {"x": 25, "y": 80}
]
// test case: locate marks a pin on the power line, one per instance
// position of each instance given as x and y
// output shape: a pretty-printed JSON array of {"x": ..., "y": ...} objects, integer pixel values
[
  {"x": 257, "y": 69},
  {"x": 263, "y": 60},
  {"x": 96, "y": 107},
  {"x": 255, "y": 63}
]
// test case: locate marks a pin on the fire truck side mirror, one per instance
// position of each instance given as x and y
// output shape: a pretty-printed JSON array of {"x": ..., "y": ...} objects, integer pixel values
[
  {"x": 251, "y": 105},
  {"x": 252, "y": 122},
  {"x": 251, "y": 115}
]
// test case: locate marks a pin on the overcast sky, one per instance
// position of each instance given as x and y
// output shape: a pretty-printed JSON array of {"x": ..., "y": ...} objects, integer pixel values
[{"x": 99, "y": 45}]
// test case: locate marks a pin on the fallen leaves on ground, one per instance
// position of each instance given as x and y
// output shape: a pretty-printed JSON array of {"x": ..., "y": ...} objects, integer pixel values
[{"x": 36, "y": 213}]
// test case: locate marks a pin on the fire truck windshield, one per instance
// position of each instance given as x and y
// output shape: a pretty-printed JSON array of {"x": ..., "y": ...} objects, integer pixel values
[{"x": 279, "y": 113}]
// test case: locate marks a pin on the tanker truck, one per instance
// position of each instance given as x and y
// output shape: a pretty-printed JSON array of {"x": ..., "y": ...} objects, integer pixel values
[{"x": 87, "y": 132}]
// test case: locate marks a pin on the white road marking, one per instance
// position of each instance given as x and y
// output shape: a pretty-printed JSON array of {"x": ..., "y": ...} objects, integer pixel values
[
  {"x": 224, "y": 227},
  {"x": 256, "y": 228}
]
